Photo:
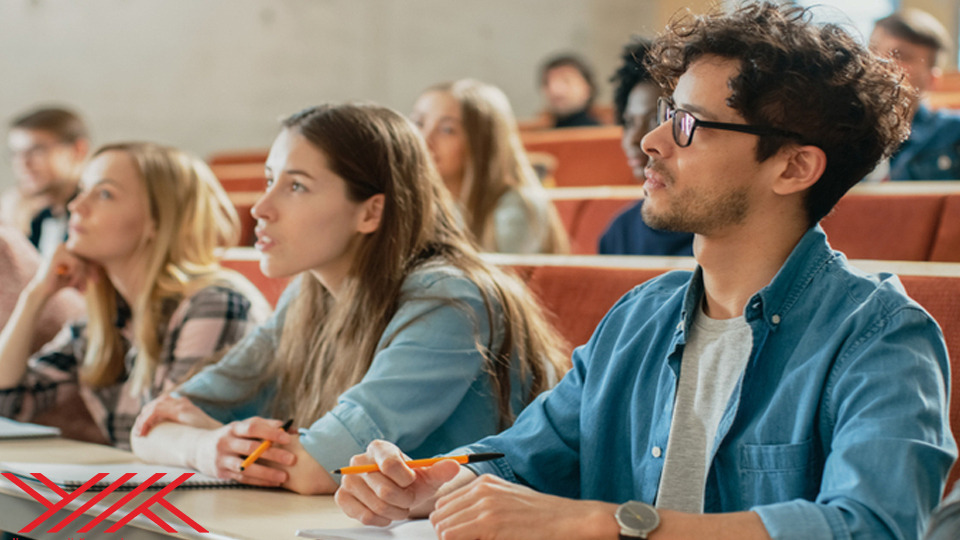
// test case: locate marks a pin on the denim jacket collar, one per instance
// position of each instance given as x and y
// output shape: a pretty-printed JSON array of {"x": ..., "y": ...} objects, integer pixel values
[{"x": 773, "y": 302}]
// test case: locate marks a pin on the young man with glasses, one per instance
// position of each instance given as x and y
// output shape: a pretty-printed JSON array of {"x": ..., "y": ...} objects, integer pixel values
[
  {"x": 775, "y": 392},
  {"x": 47, "y": 149}
]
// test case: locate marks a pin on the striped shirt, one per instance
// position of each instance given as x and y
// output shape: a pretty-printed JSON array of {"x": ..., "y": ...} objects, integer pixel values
[{"x": 209, "y": 321}]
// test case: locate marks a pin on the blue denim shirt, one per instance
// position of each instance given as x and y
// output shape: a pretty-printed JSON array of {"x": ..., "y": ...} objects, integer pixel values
[
  {"x": 427, "y": 389},
  {"x": 933, "y": 150},
  {"x": 837, "y": 428}
]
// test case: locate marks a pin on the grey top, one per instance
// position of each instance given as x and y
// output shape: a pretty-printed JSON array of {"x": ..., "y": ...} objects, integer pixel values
[
  {"x": 945, "y": 523},
  {"x": 515, "y": 228},
  {"x": 713, "y": 361}
]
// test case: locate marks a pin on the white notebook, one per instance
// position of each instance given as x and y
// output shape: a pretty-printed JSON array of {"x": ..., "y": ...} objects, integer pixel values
[
  {"x": 73, "y": 476},
  {"x": 419, "y": 529},
  {"x": 11, "y": 429}
]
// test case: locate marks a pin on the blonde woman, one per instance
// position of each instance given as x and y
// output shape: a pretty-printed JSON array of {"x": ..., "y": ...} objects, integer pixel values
[
  {"x": 141, "y": 243},
  {"x": 395, "y": 329},
  {"x": 473, "y": 139}
]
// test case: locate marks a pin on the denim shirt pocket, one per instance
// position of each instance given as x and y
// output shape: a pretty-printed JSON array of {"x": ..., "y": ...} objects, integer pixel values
[{"x": 772, "y": 473}]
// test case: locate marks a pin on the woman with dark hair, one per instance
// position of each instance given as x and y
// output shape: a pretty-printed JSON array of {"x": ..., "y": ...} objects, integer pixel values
[
  {"x": 474, "y": 142},
  {"x": 395, "y": 328}
]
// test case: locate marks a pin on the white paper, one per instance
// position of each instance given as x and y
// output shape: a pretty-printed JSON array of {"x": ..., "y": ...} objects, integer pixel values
[
  {"x": 419, "y": 529},
  {"x": 11, "y": 429},
  {"x": 64, "y": 474}
]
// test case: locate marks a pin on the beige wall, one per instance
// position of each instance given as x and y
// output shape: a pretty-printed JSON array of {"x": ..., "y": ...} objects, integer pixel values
[{"x": 213, "y": 74}]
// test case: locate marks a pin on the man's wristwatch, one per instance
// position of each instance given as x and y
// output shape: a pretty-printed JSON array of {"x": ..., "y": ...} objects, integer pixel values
[{"x": 636, "y": 520}]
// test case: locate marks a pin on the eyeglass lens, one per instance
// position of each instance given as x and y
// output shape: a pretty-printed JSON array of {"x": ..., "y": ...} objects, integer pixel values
[{"x": 683, "y": 122}]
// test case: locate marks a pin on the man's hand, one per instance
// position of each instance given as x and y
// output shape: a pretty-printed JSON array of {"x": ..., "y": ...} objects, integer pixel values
[
  {"x": 392, "y": 494},
  {"x": 492, "y": 508}
]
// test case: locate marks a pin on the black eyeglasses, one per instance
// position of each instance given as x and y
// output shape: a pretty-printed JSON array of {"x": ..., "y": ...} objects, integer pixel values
[{"x": 685, "y": 124}]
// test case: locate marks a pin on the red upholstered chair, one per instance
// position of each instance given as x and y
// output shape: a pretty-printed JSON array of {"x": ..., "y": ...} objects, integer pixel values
[
  {"x": 234, "y": 157},
  {"x": 946, "y": 246},
  {"x": 569, "y": 210},
  {"x": 577, "y": 297},
  {"x": 589, "y": 156},
  {"x": 241, "y": 176},
  {"x": 897, "y": 227},
  {"x": 940, "y": 296},
  {"x": 595, "y": 216},
  {"x": 247, "y": 262}
]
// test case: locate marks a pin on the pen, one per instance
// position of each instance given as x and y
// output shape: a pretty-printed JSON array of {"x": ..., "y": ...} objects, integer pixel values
[
  {"x": 472, "y": 458},
  {"x": 264, "y": 446}
]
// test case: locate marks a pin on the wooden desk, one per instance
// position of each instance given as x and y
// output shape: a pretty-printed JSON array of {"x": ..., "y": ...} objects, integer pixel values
[{"x": 247, "y": 514}]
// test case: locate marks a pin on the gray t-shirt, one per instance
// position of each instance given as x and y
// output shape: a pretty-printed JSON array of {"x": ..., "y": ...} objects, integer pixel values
[{"x": 716, "y": 354}]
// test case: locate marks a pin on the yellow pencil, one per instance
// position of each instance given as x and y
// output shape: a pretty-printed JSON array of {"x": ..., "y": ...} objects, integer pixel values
[
  {"x": 264, "y": 446},
  {"x": 472, "y": 458}
]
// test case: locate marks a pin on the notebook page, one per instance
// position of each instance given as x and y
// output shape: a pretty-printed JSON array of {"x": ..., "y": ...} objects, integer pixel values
[
  {"x": 11, "y": 429},
  {"x": 419, "y": 529},
  {"x": 64, "y": 474}
]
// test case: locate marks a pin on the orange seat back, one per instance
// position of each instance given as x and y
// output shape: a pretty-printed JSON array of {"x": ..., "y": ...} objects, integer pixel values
[
  {"x": 946, "y": 246},
  {"x": 585, "y": 156},
  {"x": 899, "y": 227}
]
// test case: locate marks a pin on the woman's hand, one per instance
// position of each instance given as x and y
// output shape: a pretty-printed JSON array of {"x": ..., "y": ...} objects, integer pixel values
[
  {"x": 172, "y": 409},
  {"x": 63, "y": 269},
  {"x": 220, "y": 452},
  {"x": 306, "y": 477}
]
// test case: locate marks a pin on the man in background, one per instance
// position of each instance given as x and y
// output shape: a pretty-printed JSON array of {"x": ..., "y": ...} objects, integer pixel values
[
  {"x": 918, "y": 42},
  {"x": 635, "y": 101},
  {"x": 48, "y": 148},
  {"x": 567, "y": 84}
]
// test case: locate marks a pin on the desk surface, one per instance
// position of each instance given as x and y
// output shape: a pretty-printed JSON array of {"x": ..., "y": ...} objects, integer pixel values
[{"x": 253, "y": 514}]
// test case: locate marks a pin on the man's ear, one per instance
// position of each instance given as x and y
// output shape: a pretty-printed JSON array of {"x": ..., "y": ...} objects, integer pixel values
[
  {"x": 803, "y": 167},
  {"x": 370, "y": 214}
]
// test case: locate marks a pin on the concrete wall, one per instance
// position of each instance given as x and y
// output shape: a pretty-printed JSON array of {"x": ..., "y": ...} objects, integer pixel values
[{"x": 213, "y": 74}]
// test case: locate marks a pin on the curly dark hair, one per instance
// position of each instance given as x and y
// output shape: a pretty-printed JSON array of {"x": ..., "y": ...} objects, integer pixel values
[
  {"x": 798, "y": 76},
  {"x": 631, "y": 73}
]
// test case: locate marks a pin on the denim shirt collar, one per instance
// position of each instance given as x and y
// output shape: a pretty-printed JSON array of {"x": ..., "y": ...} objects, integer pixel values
[{"x": 772, "y": 303}]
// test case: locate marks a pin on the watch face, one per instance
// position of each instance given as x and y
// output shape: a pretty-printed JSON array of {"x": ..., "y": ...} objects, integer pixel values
[{"x": 638, "y": 517}]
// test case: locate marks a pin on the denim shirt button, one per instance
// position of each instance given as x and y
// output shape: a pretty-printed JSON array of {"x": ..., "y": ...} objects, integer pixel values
[
  {"x": 775, "y": 319},
  {"x": 656, "y": 452}
]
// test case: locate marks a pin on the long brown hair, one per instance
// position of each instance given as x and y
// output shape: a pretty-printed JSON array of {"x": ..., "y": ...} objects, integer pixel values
[
  {"x": 328, "y": 345},
  {"x": 496, "y": 164},
  {"x": 192, "y": 216}
]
